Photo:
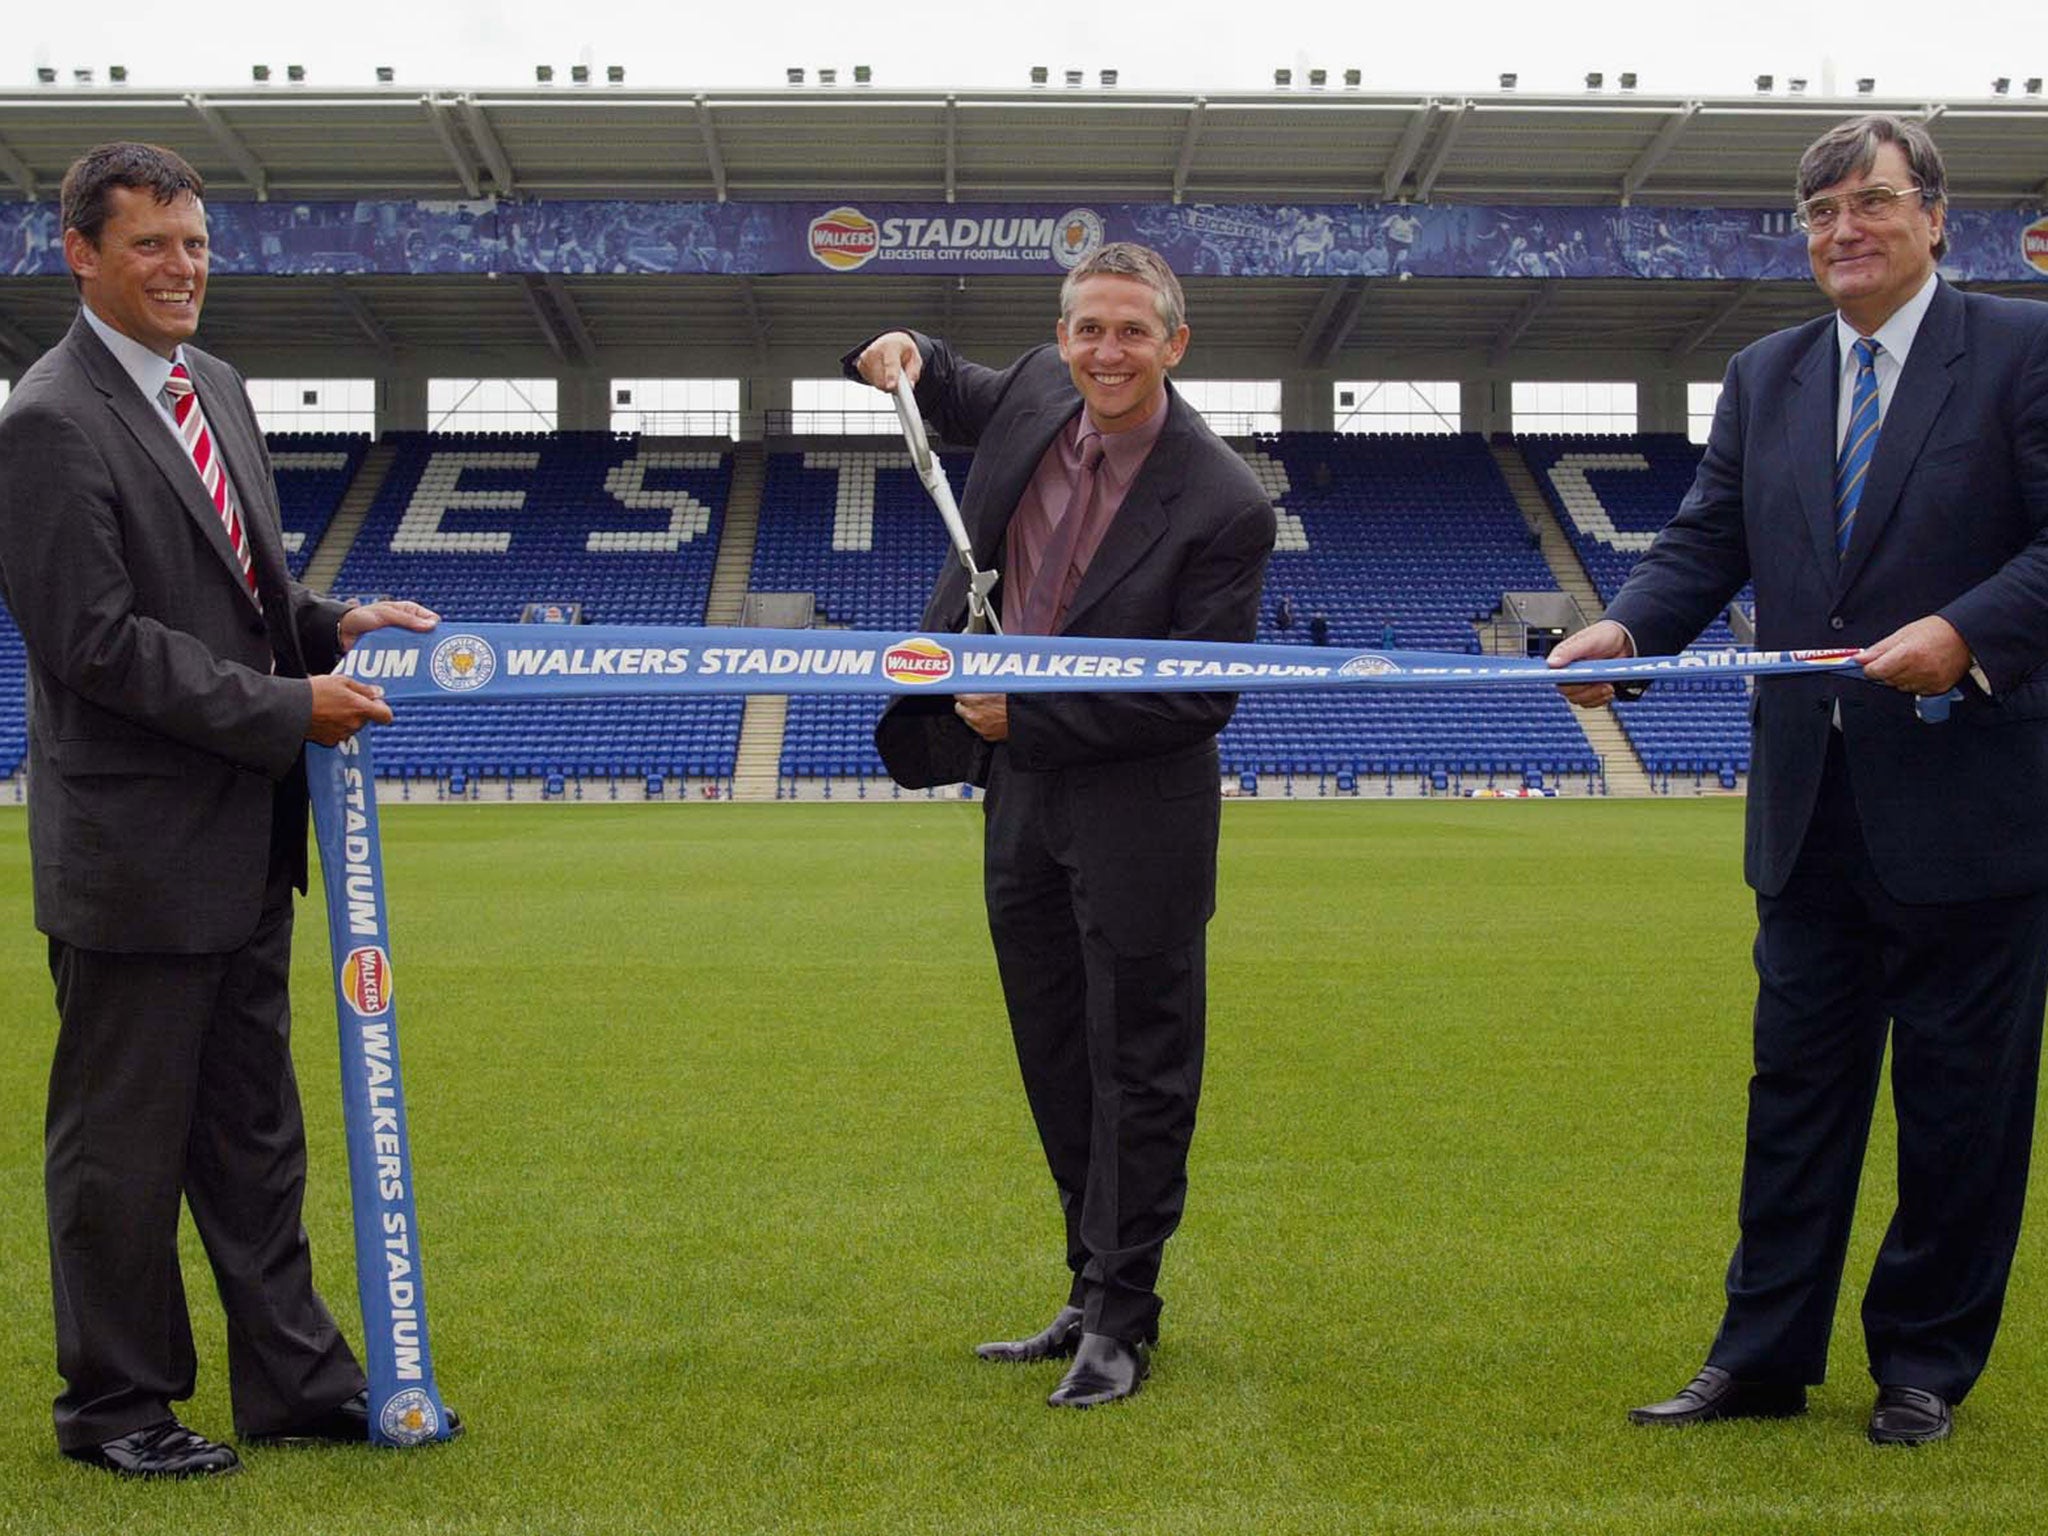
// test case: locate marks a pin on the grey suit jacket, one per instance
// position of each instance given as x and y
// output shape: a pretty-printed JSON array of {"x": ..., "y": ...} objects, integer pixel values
[{"x": 167, "y": 716}]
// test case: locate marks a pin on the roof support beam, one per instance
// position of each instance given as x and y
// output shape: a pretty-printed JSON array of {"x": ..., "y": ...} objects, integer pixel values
[
  {"x": 1723, "y": 312},
  {"x": 441, "y": 114},
  {"x": 1654, "y": 152},
  {"x": 544, "y": 317},
  {"x": 755, "y": 319},
  {"x": 952, "y": 119},
  {"x": 711, "y": 151},
  {"x": 1189, "y": 138},
  {"x": 364, "y": 317},
  {"x": 572, "y": 319},
  {"x": 1446, "y": 141},
  {"x": 17, "y": 343},
  {"x": 16, "y": 170},
  {"x": 1406, "y": 151},
  {"x": 485, "y": 138},
  {"x": 1533, "y": 307},
  {"x": 1330, "y": 327},
  {"x": 231, "y": 144}
]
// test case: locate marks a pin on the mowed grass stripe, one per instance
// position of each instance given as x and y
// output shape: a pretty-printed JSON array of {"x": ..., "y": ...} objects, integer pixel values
[{"x": 723, "y": 1166}]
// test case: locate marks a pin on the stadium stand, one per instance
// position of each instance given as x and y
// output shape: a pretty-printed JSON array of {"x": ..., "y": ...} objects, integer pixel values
[
  {"x": 313, "y": 471},
  {"x": 478, "y": 525}
]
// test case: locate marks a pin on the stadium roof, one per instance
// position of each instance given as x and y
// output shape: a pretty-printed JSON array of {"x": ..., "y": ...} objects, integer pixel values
[{"x": 284, "y": 142}]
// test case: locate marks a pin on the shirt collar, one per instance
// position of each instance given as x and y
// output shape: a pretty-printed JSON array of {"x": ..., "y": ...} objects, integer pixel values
[
  {"x": 1896, "y": 334},
  {"x": 149, "y": 371},
  {"x": 1125, "y": 451}
]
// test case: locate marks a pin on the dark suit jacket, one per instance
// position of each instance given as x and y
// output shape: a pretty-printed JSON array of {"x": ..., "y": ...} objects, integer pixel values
[
  {"x": 1954, "y": 521},
  {"x": 166, "y": 717},
  {"x": 1184, "y": 558}
]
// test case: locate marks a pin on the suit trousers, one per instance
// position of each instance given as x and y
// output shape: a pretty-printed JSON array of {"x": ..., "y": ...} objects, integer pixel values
[
  {"x": 173, "y": 1077},
  {"x": 1960, "y": 989},
  {"x": 1109, "y": 1044}
]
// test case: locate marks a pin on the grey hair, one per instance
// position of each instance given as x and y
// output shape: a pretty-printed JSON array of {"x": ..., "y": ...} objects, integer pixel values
[
  {"x": 1123, "y": 258},
  {"x": 1850, "y": 149}
]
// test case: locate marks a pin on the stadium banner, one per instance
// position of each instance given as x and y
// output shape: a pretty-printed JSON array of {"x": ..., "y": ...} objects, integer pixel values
[
  {"x": 405, "y": 1401},
  {"x": 864, "y": 238},
  {"x": 523, "y": 661}
]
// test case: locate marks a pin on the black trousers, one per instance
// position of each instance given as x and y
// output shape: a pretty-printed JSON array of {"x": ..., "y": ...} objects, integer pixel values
[
  {"x": 173, "y": 1078},
  {"x": 1109, "y": 1044},
  {"x": 1960, "y": 990}
]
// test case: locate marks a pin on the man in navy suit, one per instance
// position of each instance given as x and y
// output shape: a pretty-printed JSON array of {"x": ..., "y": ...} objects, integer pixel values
[
  {"x": 1882, "y": 476},
  {"x": 1111, "y": 509}
]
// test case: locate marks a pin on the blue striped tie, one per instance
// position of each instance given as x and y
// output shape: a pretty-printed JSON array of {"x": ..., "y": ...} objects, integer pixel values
[{"x": 1854, "y": 465}]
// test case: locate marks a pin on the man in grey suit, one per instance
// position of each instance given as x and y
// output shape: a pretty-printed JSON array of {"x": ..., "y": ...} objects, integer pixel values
[
  {"x": 1881, "y": 474},
  {"x": 176, "y": 671},
  {"x": 1111, "y": 509}
]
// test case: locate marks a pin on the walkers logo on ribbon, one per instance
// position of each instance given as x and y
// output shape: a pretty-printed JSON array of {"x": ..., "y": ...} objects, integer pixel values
[
  {"x": 366, "y": 980},
  {"x": 1367, "y": 665},
  {"x": 1825, "y": 658},
  {"x": 463, "y": 663},
  {"x": 2034, "y": 245},
  {"x": 844, "y": 239},
  {"x": 1077, "y": 237},
  {"x": 917, "y": 660}
]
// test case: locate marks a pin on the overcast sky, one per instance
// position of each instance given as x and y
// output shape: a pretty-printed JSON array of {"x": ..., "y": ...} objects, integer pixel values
[{"x": 1947, "y": 51}]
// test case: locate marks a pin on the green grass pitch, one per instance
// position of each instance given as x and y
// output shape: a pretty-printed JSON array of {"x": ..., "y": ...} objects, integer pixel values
[{"x": 723, "y": 1166}]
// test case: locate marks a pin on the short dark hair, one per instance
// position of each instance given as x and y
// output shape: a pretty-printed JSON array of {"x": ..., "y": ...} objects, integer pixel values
[
  {"x": 1124, "y": 258},
  {"x": 1850, "y": 149},
  {"x": 163, "y": 173}
]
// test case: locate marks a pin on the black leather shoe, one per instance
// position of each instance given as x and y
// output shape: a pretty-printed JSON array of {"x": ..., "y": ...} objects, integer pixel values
[
  {"x": 167, "y": 1449},
  {"x": 1714, "y": 1394},
  {"x": 1105, "y": 1370},
  {"x": 346, "y": 1423},
  {"x": 1055, "y": 1341},
  {"x": 1909, "y": 1416}
]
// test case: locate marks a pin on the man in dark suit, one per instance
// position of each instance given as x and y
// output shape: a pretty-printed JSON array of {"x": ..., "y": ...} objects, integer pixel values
[
  {"x": 1111, "y": 509},
  {"x": 170, "y": 699},
  {"x": 1882, "y": 476}
]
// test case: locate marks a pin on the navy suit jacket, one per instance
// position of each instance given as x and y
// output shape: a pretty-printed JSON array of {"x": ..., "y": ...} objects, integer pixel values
[{"x": 1953, "y": 521}]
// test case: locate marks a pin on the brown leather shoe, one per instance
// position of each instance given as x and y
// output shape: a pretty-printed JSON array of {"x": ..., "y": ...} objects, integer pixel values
[
  {"x": 1714, "y": 1394},
  {"x": 164, "y": 1449},
  {"x": 1909, "y": 1416},
  {"x": 1055, "y": 1341}
]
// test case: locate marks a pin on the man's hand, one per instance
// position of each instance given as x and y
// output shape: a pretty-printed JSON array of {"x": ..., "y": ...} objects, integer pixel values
[
  {"x": 1604, "y": 641},
  {"x": 887, "y": 356},
  {"x": 986, "y": 714},
  {"x": 1927, "y": 657},
  {"x": 342, "y": 706},
  {"x": 363, "y": 618}
]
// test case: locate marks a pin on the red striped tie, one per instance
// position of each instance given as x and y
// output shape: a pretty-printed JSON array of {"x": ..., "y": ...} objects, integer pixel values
[{"x": 199, "y": 443}]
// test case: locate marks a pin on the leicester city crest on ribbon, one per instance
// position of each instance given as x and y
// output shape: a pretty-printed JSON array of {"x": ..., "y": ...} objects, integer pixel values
[{"x": 463, "y": 663}]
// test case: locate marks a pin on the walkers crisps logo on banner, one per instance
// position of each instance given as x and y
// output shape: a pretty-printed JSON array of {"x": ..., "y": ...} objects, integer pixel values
[
  {"x": 2034, "y": 245},
  {"x": 846, "y": 238}
]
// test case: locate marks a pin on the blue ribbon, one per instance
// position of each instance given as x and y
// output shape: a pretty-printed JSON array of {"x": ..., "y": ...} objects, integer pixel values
[
  {"x": 529, "y": 661},
  {"x": 405, "y": 1403}
]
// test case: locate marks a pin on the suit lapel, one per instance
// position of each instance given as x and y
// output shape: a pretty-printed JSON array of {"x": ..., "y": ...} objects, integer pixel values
[
  {"x": 1923, "y": 389},
  {"x": 156, "y": 439},
  {"x": 1809, "y": 427}
]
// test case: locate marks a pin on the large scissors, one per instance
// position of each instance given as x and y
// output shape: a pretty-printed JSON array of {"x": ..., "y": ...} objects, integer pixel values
[{"x": 981, "y": 613}]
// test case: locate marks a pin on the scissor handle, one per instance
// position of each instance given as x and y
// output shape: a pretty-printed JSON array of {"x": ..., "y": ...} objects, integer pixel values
[{"x": 913, "y": 425}]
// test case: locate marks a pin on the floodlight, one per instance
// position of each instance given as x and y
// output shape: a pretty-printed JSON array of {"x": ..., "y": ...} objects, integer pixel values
[
  {"x": 117, "y": 74},
  {"x": 2033, "y": 85},
  {"x": 2001, "y": 85},
  {"x": 829, "y": 75},
  {"x": 1764, "y": 84},
  {"x": 615, "y": 74},
  {"x": 1073, "y": 79},
  {"x": 1865, "y": 84},
  {"x": 295, "y": 73},
  {"x": 1628, "y": 79},
  {"x": 1507, "y": 79},
  {"x": 1109, "y": 79},
  {"x": 81, "y": 77},
  {"x": 1318, "y": 78},
  {"x": 1352, "y": 79},
  {"x": 1040, "y": 74},
  {"x": 1797, "y": 85},
  {"x": 579, "y": 74},
  {"x": 1282, "y": 78},
  {"x": 1594, "y": 79},
  {"x": 260, "y": 73},
  {"x": 45, "y": 75},
  {"x": 862, "y": 74},
  {"x": 796, "y": 76},
  {"x": 386, "y": 74},
  {"x": 544, "y": 74}
]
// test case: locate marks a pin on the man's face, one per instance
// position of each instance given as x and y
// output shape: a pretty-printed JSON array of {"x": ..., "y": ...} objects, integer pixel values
[
  {"x": 1117, "y": 350},
  {"x": 1870, "y": 266},
  {"x": 147, "y": 275}
]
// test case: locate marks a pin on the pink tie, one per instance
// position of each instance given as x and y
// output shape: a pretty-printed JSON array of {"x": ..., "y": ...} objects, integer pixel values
[
  {"x": 1041, "y": 607},
  {"x": 199, "y": 443}
]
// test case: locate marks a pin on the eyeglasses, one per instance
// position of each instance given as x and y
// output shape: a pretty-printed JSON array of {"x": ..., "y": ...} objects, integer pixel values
[{"x": 1871, "y": 205}]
